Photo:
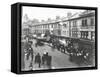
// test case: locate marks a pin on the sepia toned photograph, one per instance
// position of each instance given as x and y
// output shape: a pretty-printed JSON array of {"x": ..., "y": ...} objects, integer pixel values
[{"x": 57, "y": 38}]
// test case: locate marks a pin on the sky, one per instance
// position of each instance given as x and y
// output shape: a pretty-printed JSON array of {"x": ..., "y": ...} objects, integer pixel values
[{"x": 41, "y": 13}]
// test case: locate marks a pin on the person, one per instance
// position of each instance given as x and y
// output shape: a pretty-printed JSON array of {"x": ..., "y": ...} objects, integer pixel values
[
  {"x": 38, "y": 60},
  {"x": 23, "y": 57},
  {"x": 44, "y": 58},
  {"x": 31, "y": 54},
  {"x": 48, "y": 60}
]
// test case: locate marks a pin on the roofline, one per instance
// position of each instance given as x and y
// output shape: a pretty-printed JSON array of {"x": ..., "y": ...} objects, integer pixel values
[{"x": 65, "y": 20}]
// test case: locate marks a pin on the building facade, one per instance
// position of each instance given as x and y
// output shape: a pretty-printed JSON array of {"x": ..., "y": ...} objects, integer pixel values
[
  {"x": 55, "y": 28},
  {"x": 79, "y": 25},
  {"x": 82, "y": 25},
  {"x": 74, "y": 23},
  {"x": 87, "y": 29}
]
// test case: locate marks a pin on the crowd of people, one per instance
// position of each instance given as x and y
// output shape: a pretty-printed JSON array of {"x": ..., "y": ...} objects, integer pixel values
[
  {"x": 36, "y": 57},
  {"x": 76, "y": 52},
  {"x": 80, "y": 52}
]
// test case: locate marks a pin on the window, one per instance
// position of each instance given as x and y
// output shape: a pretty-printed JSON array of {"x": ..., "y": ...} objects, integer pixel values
[
  {"x": 92, "y": 21},
  {"x": 58, "y": 25},
  {"x": 55, "y": 26},
  {"x": 45, "y": 25},
  {"x": 84, "y": 22},
  {"x": 74, "y": 23},
  {"x": 48, "y": 26},
  {"x": 52, "y": 25},
  {"x": 64, "y": 25}
]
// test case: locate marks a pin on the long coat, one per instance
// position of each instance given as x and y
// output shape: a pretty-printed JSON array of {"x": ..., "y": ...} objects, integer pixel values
[
  {"x": 37, "y": 58},
  {"x": 49, "y": 59}
]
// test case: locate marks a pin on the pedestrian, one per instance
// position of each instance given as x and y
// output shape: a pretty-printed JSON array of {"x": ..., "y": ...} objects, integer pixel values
[
  {"x": 48, "y": 60},
  {"x": 44, "y": 58},
  {"x": 31, "y": 54},
  {"x": 23, "y": 58},
  {"x": 38, "y": 60}
]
